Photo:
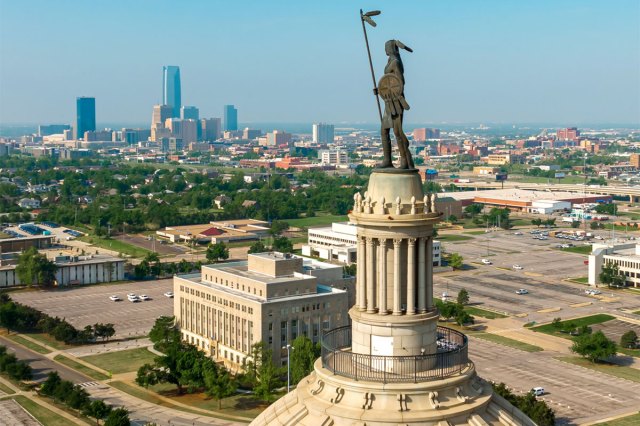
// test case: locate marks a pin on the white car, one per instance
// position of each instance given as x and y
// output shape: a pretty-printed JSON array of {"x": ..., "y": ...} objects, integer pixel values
[
  {"x": 537, "y": 391},
  {"x": 518, "y": 267},
  {"x": 592, "y": 292},
  {"x": 169, "y": 294},
  {"x": 133, "y": 298},
  {"x": 131, "y": 295},
  {"x": 522, "y": 291},
  {"x": 144, "y": 297},
  {"x": 445, "y": 296},
  {"x": 114, "y": 298},
  {"x": 517, "y": 233},
  {"x": 486, "y": 261}
]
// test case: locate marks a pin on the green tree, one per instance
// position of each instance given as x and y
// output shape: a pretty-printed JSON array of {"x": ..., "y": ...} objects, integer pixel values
[
  {"x": 536, "y": 410},
  {"x": 35, "y": 268},
  {"x": 456, "y": 261},
  {"x": 8, "y": 315},
  {"x": 463, "y": 318},
  {"x": 594, "y": 346},
  {"x": 278, "y": 227},
  {"x": 303, "y": 356},
  {"x": 219, "y": 383},
  {"x": 282, "y": 244},
  {"x": 262, "y": 372},
  {"x": 575, "y": 224},
  {"x": 536, "y": 221},
  {"x": 473, "y": 209},
  {"x": 463, "y": 296},
  {"x": 118, "y": 417},
  {"x": 164, "y": 333},
  {"x": 98, "y": 410},
  {"x": 49, "y": 386},
  {"x": 257, "y": 247},
  {"x": 611, "y": 276},
  {"x": 629, "y": 340},
  {"x": 217, "y": 251}
]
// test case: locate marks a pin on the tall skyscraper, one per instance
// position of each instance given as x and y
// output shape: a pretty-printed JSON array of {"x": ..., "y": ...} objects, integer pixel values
[
  {"x": 160, "y": 115},
  {"x": 323, "y": 133},
  {"x": 171, "y": 93},
  {"x": 230, "y": 117},
  {"x": 85, "y": 116},
  {"x": 210, "y": 129},
  {"x": 189, "y": 113}
]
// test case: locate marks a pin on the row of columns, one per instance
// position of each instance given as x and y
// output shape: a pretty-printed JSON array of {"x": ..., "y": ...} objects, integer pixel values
[{"x": 372, "y": 285}]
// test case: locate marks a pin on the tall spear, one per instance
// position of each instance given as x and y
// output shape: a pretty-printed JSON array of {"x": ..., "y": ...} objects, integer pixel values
[{"x": 366, "y": 17}]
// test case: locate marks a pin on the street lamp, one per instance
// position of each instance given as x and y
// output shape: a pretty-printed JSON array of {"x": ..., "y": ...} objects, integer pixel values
[{"x": 288, "y": 348}]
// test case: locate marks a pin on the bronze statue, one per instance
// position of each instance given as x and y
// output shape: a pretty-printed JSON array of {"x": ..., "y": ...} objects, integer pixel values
[{"x": 391, "y": 90}]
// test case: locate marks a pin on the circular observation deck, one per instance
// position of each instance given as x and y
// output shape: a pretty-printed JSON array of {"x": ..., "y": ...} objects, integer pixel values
[{"x": 450, "y": 359}]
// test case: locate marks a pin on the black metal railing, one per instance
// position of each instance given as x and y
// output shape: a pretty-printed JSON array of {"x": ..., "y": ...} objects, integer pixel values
[{"x": 449, "y": 360}]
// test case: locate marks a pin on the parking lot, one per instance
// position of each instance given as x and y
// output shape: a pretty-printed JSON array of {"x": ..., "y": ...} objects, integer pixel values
[
  {"x": 82, "y": 306},
  {"x": 614, "y": 329},
  {"x": 153, "y": 244}
]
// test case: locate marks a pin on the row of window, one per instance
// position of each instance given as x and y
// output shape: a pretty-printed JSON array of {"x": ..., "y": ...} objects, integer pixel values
[
  {"x": 238, "y": 286},
  {"x": 212, "y": 298}
]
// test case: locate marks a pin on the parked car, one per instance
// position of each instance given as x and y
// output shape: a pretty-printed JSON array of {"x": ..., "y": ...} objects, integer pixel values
[
  {"x": 517, "y": 267},
  {"x": 537, "y": 391},
  {"x": 114, "y": 298},
  {"x": 486, "y": 261},
  {"x": 144, "y": 297},
  {"x": 169, "y": 294},
  {"x": 522, "y": 291}
]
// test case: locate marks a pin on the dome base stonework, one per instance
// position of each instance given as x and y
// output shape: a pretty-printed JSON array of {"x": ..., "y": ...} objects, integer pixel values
[{"x": 325, "y": 399}]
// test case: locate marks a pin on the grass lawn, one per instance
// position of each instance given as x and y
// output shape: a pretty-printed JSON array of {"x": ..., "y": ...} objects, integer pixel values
[
  {"x": 578, "y": 249},
  {"x": 479, "y": 312},
  {"x": 475, "y": 232},
  {"x": 502, "y": 340},
  {"x": 6, "y": 389},
  {"x": 29, "y": 344},
  {"x": 151, "y": 397},
  {"x": 632, "y": 420},
  {"x": 116, "y": 245},
  {"x": 50, "y": 341},
  {"x": 453, "y": 237},
  {"x": 121, "y": 361},
  {"x": 96, "y": 375},
  {"x": 306, "y": 222},
  {"x": 579, "y": 322},
  {"x": 637, "y": 312},
  {"x": 629, "y": 352},
  {"x": 628, "y": 373},
  {"x": 580, "y": 280},
  {"x": 44, "y": 415}
]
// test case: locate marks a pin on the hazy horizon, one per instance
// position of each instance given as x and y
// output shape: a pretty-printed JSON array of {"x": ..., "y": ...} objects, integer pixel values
[{"x": 557, "y": 63}]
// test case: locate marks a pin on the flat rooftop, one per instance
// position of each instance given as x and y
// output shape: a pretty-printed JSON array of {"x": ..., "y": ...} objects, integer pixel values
[
  {"x": 514, "y": 194},
  {"x": 241, "y": 269}
]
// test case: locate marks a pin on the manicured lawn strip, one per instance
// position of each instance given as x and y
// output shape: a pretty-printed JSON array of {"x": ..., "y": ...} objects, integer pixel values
[
  {"x": 116, "y": 245},
  {"x": 632, "y": 420},
  {"x": 44, "y": 415},
  {"x": 453, "y": 237},
  {"x": 121, "y": 361},
  {"x": 152, "y": 398},
  {"x": 80, "y": 368},
  {"x": 578, "y": 249},
  {"x": 316, "y": 221},
  {"x": 629, "y": 352},
  {"x": 479, "y": 312},
  {"x": 496, "y": 338},
  {"x": 29, "y": 344},
  {"x": 50, "y": 341},
  {"x": 628, "y": 373},
  {"x": 6, "y": 389},
  {"x": 474, "y": 232},
  {"x": 579, "y": 322},
  {"x": 580, "y": 280}
]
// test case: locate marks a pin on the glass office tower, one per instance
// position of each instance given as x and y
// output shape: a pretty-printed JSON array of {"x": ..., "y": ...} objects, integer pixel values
[
  {"x": 85, "y": 116},
  {"x": 171, "y": 88},
  {"x": 230, "y": 117}
]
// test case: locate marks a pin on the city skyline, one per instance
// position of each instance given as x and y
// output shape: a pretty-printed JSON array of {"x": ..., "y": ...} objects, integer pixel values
[{"x": 472, "y": 63}]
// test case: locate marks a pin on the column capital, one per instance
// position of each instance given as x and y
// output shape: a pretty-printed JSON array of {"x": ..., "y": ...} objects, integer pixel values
[
  {"x": 412, "y": 241},
  {"x": 369, "y": 240},
  {"x": 397, "y": 242}
]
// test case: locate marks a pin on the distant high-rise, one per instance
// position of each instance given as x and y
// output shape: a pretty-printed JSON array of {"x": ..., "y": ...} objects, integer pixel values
[
  {"x": 230, "y": 117},
  {"x": 210, "y": 129},
  {"x": 323, "y": 133},
  {"x": 171, "y": 94},
  {"x": 85, "y": 116},
  {"x": 568, "y": 134},
  {"x": 424, "y": 133},
  {"x": 189, "y": 113},
  {"x": 160, "y": 115}
]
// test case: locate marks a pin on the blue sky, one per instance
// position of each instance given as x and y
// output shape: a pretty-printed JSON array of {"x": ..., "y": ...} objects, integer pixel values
[{"x": 566, "y": 62}]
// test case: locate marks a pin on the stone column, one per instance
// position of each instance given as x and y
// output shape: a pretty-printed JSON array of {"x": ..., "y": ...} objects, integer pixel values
[
  {"x": 371, "y": 279},
  {"x": 429, "y": 264},
  {"x": 422, "y": 277},
  {"x": 361, "y": 275},
  {"x": 411, "y": 276},
  {"x": 397, "y": 306},
  {"x": 382, "y": 277}
]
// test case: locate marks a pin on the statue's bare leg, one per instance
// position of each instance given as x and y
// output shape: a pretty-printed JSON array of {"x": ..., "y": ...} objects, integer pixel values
[
  {"x": 386, "y": 148},
  {"x": 405, "y": 157}
]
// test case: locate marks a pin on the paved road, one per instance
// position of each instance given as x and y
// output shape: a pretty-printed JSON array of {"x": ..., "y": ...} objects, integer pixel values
[
  {"x": 42, "y": 365},
  {"x": 141, "y": 412}
]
